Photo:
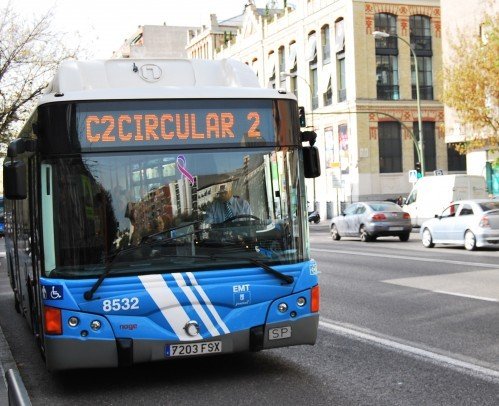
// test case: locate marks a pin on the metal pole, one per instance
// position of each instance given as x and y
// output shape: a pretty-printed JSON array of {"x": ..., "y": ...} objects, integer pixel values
[
  {"x": 418, "y": 101},
  {"x": 311, "y": 115}
]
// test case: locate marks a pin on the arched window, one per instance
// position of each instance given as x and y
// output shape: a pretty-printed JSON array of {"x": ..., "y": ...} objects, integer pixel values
[
  {"x": 293, "y": 69},
  {"x": 271, "y": 69},
  {"x": 312, "y": 65},
  {"x": 325, "y": 45},
  {"x": 339, "y": 35},
  {"x": 387, "y": 84},
  {"x": 420, "y": 38},
  {"x": 282, "y": 67}
]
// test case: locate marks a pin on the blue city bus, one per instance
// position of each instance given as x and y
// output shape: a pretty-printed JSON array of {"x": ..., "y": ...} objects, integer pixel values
[{"x": 114, "y": 250}]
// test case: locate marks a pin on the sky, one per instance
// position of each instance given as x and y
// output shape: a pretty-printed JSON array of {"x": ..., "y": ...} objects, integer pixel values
[{"x": 103, "y": 25}]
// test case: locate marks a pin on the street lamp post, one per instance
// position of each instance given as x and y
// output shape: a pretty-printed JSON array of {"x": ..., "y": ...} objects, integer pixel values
[
  {"x": 420, "y": 144},
  {"x": 293, "y": 75}
]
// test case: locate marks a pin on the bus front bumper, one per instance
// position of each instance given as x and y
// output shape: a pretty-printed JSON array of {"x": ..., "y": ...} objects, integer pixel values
[{"x": 70, "y": 353}]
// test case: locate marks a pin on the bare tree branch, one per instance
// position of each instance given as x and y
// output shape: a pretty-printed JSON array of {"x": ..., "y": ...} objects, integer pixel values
[{"x": 29, "y": 55}]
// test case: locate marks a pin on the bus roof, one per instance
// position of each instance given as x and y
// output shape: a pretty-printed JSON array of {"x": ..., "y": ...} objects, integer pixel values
[{"x": 155, "y": 78}]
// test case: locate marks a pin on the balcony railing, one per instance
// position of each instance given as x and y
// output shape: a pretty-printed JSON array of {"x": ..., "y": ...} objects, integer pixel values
[
  {"x": 421, "y": 44},
  {"x": 389, "y": 45},
  {"x": 385, "y": 92},
  {"x": 425, "y": 92}
]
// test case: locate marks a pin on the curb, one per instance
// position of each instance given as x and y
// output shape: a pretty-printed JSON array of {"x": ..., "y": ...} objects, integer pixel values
[{"x": 12, "y": 389}]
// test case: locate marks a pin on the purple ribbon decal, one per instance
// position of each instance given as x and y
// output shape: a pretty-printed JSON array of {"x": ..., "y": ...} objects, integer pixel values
[{"x": 182, "y": 167}]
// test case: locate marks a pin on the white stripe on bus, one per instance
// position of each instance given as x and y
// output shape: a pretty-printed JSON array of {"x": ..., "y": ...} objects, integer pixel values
[
  {"x": 207, "y": 301},
  {"x": 168, "y": 304},
  {"x": 195, "y": 304}
]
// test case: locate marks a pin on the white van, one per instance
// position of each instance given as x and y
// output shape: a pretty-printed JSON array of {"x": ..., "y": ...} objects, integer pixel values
[{"x": 431, "y": 194}]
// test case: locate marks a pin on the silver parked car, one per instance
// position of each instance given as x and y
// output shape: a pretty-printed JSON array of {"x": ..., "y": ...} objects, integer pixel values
[
  {"x": 369, "y": 220},
  {"x": 472, "y": 223}
]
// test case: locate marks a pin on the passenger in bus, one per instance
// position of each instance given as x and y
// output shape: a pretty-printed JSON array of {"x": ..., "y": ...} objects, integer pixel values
[{"x": 226, "y": 206}]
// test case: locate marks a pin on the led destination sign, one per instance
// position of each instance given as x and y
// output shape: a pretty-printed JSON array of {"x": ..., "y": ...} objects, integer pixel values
[{"x": 153, "y": 126}]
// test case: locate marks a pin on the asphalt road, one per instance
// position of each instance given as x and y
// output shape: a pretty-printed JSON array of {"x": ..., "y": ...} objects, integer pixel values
[{"x": 400, "y": 325}]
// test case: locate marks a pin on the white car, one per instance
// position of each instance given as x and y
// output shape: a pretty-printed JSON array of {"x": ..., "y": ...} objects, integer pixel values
[{"x": 472, "y": 223}]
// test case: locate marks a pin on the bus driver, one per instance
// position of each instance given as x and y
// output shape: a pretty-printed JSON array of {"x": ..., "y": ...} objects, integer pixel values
[{"x": 226, "y": 206}]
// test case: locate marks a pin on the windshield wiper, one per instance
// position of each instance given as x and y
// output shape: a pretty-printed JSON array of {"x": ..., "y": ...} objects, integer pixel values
[
  {"x": 89, "y": 294},
  {"x": 288, "y": 279}
]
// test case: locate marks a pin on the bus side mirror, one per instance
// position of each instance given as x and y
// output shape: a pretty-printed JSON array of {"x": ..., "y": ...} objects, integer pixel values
[
  {"x": 311, "y": 162},
  {"x": 14, "y": 180}
]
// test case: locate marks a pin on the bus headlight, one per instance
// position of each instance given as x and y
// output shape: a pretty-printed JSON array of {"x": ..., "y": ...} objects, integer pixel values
[
  {"x": 95, "y": 325},
  {"x": 301, "y": 301},
  {"x": 282, "y": 307}
]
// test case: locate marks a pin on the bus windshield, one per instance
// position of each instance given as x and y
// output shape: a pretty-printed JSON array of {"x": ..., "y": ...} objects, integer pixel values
[{"x": 172, "y": 211}]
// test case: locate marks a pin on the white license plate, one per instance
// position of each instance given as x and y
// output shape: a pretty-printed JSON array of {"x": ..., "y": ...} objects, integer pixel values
[
  {"x": 395, "y": 228},
  {"x": 181, "y": 350},
  {"x": 278, "y": 333}
]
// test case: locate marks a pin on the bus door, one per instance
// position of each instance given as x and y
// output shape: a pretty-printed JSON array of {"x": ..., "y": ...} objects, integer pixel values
[
  {"x": 23, "y": 245},
  {"x": 35, "y": 301}
]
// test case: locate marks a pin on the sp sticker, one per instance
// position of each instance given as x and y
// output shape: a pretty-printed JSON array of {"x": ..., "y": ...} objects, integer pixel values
[{"x": 52, "y": 292}]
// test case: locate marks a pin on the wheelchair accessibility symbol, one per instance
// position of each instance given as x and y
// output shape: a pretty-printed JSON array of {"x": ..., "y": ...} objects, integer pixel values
[{"x": 52, "y": 292}]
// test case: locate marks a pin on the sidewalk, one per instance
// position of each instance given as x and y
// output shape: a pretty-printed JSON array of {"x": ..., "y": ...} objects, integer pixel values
[{"x": 18, "y": 394}]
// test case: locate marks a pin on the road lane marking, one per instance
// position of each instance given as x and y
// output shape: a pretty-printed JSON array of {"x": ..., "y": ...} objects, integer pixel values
[
  {"x": 482, "y": 284},
  {"x": 442, "y": 261},
  {"x": 487, "y": 299},
  {"x": 439, "y": 359}
]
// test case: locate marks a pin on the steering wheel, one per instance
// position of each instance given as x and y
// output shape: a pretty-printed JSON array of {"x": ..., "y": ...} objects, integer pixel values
[{"x": 242, "y": 216}]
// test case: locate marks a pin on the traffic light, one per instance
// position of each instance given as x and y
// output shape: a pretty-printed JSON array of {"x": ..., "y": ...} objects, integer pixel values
[
  {"x": 418, "y": 169},
  {"x": 301, "y": 115}
]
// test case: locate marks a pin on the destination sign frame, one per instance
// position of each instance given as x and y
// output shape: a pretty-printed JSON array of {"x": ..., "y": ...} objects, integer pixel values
[{"x": 175, "y": 123}]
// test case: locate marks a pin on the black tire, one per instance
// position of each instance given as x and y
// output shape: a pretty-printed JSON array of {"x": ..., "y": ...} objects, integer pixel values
[
  {"x": 404, "y": 237},
  {"x": 469, "y": 240},
  {"x": 427, "y": 239},
  {"x": 364, "y": 235},
  {"x": 17, "y": 305},
  {"x": 335, "y": 235},
  {"x": 317, "y": 220}
]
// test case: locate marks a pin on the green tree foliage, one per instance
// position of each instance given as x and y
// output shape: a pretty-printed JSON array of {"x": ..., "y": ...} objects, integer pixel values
[
  {"x": 471, "y": 88},
  {"x": 29, "y": 55}
]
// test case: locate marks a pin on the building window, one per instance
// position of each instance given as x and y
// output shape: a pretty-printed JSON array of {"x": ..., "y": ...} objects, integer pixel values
[
  {"x": 326, "y": 45},
  {"x": 254, "y": 66},
  {"x": 430, "y": 157},
  {"x": 271, "y": 64},
  {"x": 390, "y": 147},
  {"x": 386, "y": 58},
  {"x": 455, "y": 161},
  {"x": 420, "y": 39},
  {"x": 386, "y": 23},
  {"x": 281, "y": 67},
  {"x": 312, "y": 63},
  {"x": 387, "y": 77},
  {"x": 425, "y": 78},
  {"x": 420, "y": 34},
  {"x": 339, "y": 27},
  {"x": 326, "y": 88},
  {"x": 293, "y": 69}
]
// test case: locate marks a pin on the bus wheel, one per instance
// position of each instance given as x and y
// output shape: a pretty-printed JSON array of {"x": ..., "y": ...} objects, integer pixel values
[{"x": 17, "y": 305}]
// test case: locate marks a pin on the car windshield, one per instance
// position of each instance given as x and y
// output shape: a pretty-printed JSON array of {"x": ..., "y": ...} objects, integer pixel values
[
  {"x": 486, "y": 206},
  {"x": 384, "y": 206},
  {"x": 169, "y": 212}
]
